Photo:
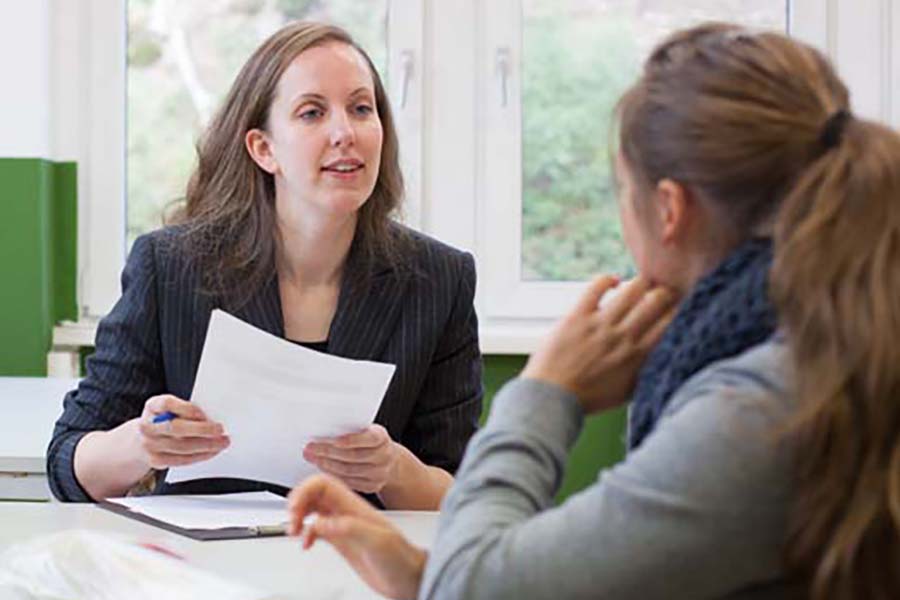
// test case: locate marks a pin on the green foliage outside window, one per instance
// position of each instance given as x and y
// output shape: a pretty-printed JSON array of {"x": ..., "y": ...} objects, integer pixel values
[{"x": 574, "y": 72}]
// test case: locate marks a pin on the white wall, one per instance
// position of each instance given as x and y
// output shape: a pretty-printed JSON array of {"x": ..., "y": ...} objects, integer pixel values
[{"x": 25, "y": 129}]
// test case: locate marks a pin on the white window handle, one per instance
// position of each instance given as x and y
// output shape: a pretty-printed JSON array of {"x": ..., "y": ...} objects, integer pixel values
[
  {"x": 406, "y": 67},
  {"x": 501, "y": 63}
]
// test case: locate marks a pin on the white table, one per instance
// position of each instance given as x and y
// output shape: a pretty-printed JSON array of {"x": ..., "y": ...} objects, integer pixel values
[
  {"x": 274, "y": 565},
  {"x": 30, "y": 407}
]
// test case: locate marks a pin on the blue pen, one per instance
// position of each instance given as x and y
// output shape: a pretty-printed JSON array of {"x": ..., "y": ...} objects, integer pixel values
[{"x": 163, "y": 417}]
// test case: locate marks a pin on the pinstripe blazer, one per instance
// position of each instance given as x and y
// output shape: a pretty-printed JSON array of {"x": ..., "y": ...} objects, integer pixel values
[{"x": 150, "y": 343}]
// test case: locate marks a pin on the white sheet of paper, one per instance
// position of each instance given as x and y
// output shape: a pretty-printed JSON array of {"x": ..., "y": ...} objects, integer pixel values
[
  {"x": 273, "y": 396},
  {"x": 245, "y": 509}
]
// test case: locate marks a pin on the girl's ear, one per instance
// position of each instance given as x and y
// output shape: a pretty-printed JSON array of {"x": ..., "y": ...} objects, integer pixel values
[{"x": 672, "y": 203}]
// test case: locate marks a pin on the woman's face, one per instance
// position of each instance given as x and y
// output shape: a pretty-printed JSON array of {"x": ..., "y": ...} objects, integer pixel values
[{"x": 324, "y": 133}]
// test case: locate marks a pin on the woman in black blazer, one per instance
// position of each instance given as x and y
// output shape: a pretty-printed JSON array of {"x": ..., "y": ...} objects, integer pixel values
[{"x": 287, "y": 224}]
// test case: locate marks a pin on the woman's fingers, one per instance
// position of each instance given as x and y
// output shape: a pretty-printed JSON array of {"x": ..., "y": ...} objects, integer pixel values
[
  {"x": 190, "y": 421},
  {"x": 316, "y": 450},
  {"x": 184, "y": 446},
  {"x": 178, "y": 428},
  {"x": 372, "y": 436},
  {"x": 189, "y": 438},
  {"x": 166, "y": 460},
  {"x": 186, "y": 428},
  {"x": 363, "y": 460},
  {"x": 180, "y": 408},
  {"x": 362, "y": 477},
  {"x": 345, "y": 470}
]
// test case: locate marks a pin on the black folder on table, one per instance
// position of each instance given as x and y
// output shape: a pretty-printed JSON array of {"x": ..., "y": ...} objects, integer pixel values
[{"x": 203, "y": 535}]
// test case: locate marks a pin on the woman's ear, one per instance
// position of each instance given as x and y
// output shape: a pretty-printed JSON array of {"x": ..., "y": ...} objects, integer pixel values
[
  {"x": 260, "y": 150},
  {"x": 672, "y": 204}
]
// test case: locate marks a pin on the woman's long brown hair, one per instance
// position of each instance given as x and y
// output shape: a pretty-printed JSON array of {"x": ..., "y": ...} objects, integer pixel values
[
  {"x": 758, "y": 126},
  {"x": 836, "y": 282},
  {"x": 228, "y": 220}
]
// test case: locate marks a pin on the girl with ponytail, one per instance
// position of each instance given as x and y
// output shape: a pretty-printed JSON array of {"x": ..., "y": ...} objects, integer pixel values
[{"x": 764, "y": 433}]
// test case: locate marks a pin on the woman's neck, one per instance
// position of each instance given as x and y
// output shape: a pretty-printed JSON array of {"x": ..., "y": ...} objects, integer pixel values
[{"x": 314, "y": 253}]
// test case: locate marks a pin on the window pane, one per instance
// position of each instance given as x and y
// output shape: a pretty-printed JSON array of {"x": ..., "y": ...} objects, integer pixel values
[
  {"x": 578, "y": 58},
  {"x": 182, "y": 56}
]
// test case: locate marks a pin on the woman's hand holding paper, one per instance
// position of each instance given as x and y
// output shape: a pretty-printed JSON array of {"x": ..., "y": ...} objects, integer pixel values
[
  {"x": 365, "y": 461},
  {"x": 190, "y": 437}
]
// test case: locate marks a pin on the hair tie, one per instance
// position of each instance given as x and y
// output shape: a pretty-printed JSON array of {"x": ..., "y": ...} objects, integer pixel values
[{"x": 833, "y": 129}]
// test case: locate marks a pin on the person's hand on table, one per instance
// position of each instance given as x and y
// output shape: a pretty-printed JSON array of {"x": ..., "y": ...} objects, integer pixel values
[
  {"x": 596, "y": 352},
  {"x": 188, "y": 438},
  {"x": 365, "y": 461},
  {"x": 373, "y": 547}
]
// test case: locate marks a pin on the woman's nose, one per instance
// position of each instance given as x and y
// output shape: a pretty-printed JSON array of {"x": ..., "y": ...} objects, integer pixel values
[{"x": 342, "y": 133}]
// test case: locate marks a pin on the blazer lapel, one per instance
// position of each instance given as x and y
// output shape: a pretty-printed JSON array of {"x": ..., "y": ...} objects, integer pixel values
[
  {"x": 264, "y": 309},
  {"x": 368, "y": 308}
]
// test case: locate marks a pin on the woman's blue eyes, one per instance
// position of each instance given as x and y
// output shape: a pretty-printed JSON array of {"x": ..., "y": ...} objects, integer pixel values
[
  {"x": 309, "y": 115},
  {"x": 314, "y": 113}
]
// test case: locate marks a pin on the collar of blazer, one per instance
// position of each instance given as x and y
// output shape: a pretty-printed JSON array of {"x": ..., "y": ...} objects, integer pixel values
[{"x": 368, "y": 307}]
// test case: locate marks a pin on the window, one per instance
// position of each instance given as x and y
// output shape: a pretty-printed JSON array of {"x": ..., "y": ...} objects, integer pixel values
[
  {"x": 559, "y": 67},
  {"x": 578, "y": 57},
  {"x": 502, "y": 106}
]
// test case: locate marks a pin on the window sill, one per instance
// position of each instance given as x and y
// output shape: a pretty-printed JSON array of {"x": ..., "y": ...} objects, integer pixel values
[
  {"x": 72, "y": 335},
  {"x": 516, "y": 338},
  {"x": 496, "y": 338}
]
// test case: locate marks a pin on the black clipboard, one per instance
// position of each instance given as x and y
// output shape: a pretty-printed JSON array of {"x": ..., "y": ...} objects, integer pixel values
[{"x": 203, "y": 535}]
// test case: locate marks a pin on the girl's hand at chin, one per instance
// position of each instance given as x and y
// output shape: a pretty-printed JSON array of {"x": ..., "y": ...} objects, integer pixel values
[{"x": 596, "y": 351}]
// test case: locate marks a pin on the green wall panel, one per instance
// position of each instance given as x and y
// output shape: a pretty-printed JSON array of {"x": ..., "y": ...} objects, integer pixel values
[
  {"x": 37, "y": 259},
  {"x": 64, "y": 241},
  {"x": 600, "y": 445}
]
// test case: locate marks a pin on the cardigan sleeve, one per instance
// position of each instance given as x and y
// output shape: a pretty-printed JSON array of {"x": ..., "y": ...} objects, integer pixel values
[
  {"x": 124, "y": 371},
  {"x": 449, "y": 403},
  {"x": 697, "y": 511}
]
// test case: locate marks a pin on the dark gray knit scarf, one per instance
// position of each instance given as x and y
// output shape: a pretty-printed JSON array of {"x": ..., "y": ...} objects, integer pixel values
[{"x": 727, "y": 312}]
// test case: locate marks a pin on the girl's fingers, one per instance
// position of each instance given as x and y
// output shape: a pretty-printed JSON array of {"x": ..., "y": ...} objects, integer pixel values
[
  {"x": 652, "y": 307},
  {"x": 325, "y": 495},
  {"x": 654, "y": 334},
  {"x": 590, "y": 298},
  {"x": 629, "y": 294},
  {"x": 344, "y": 530}
]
